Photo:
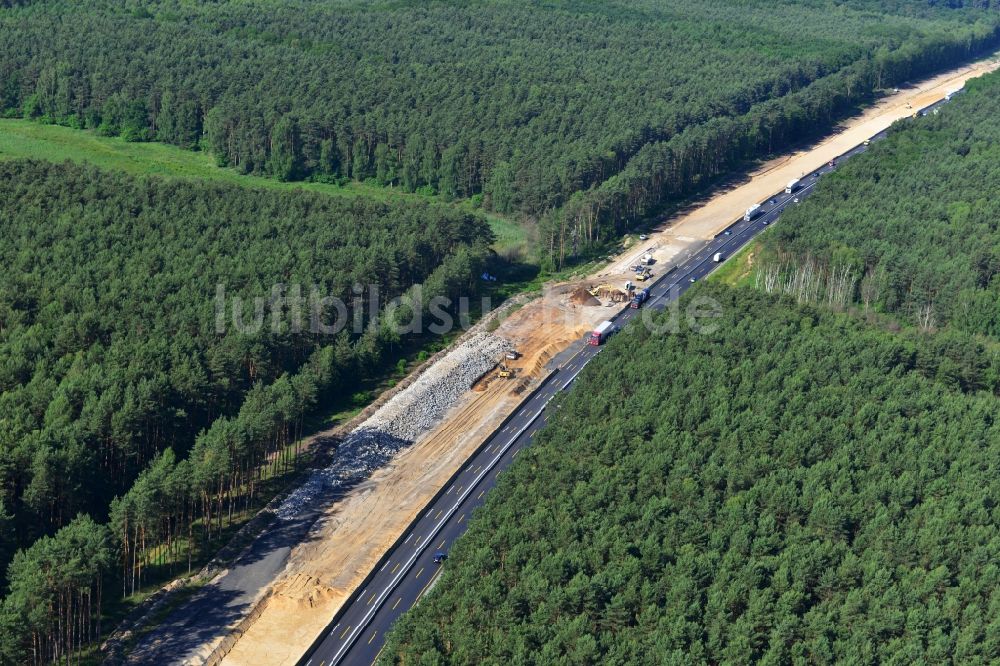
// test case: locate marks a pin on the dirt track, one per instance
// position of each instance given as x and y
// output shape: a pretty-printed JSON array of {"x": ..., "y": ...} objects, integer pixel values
[
  {"x": 356, "y": 531},
  {"x": 707, "y": 219}
]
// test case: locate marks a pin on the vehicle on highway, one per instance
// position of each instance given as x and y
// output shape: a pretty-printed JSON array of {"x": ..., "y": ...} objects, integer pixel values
[
  {"x": 640, "y": 297},
  {"x": 728, "y": 232},
  {"x": 832, "y": 163},
  {"x": 793, "y": 185},
  {"x": 718, "y": 257},
  {"x": 795, "y": 200},
  {"x": 643, "y": 237},
  {"x": 691, "y": 279},
  {"x": 440, "y": 557},
  {"x": 601, "y": 334},
  {"x": 868, "y": 142},
  {"x": 752, "y": 212}
]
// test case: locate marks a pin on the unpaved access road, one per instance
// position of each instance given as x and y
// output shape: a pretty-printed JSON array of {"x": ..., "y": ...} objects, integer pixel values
[{"x": 705, "y": 220}]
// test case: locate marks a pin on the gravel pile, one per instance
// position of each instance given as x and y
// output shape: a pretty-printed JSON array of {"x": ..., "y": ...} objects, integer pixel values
[{"x": 400, "y": 421}]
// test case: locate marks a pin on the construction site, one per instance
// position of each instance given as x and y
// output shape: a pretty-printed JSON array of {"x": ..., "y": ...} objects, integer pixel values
[{"x": 397, "y": 459}]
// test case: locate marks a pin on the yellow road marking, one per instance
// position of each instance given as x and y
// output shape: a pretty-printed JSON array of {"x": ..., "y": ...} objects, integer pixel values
[
  {"x": 397, "y": 603},
  {"x": 374, "y": 633},
  {"x": 441, "y": 545},
  {"x": 345, "y": 632},
  {"x": 428, "y": 584},
  {"x": 395, "y": 568},
  {"x": 481, "y": 495},
  {"x": 439, "y": 514},
  {"x": 462, "y": 518},
  {"x": 371, "y": 599},
  {"x": 417, "y": 542},
  {"x": 419, "y": 572}
]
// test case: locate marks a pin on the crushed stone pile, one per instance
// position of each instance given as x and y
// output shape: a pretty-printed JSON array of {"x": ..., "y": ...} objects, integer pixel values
[{"x": 399, "y": 422}]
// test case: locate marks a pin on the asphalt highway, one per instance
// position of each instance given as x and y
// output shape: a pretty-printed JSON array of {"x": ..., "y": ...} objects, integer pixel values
[{"x": 357, "y": 634}]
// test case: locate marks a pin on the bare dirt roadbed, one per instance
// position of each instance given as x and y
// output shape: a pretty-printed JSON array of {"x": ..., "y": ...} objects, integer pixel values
[
  {"x": 346, "y": 543},
  {"x": 705, "y": 220},
  {"x": 355, "y": 532}
]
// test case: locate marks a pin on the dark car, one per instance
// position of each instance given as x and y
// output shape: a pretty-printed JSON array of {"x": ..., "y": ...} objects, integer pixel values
[{"x": 440, "y": 557}]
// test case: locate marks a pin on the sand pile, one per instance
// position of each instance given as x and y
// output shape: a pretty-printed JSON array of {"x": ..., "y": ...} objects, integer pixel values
[{"x": 581, "y": 296}]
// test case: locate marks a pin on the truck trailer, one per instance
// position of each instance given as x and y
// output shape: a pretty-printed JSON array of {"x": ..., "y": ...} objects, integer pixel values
[
  {"x": 601, "y": 334},
  {"x": 792, "y": 186},
  {"x": 752, "y": 212},
  {"x": 640, "y": 297}
]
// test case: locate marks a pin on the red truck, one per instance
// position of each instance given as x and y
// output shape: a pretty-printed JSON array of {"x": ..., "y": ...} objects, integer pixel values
[{"x": 601, "y": 334}]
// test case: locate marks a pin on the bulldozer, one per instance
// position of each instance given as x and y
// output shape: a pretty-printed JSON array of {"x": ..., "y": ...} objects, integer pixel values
[{"x": 506, "y": 372}]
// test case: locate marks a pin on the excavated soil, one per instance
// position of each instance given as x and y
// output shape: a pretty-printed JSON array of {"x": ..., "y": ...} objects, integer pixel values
[
  {"x": 580, "y": 296},
  {"x": 357, "y": 530}
]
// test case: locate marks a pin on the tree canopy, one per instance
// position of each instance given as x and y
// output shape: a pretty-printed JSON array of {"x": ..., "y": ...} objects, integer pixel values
[
  {"x": 119, "y": 396},
  {"x": 913, "y": 223},
  {"x": 605, "y": 108},
  {"x": 792, "y": 487}
]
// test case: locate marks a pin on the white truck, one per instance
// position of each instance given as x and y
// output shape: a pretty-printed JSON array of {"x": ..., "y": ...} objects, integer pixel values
[
  {"x": 792, "y": 186},
  {"x": 718, "y": 257},
  {"x": 752, "y": 212}
]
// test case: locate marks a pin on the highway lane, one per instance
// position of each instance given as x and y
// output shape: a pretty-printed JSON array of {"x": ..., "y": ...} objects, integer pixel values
[{"x": 357, "y": 633}]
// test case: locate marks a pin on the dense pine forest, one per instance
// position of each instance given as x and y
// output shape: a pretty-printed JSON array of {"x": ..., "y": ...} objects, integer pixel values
[
  {"x": 582, "y": 115},
  {"x": 813, "y": 481},
  {"x": 912, "y": 228},
  {"x": 115, "y": 382},
  {"x": 794, "y": 487}
]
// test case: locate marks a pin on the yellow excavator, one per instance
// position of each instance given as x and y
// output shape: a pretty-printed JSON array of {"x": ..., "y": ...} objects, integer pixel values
[{"x": 506, "y": 372}]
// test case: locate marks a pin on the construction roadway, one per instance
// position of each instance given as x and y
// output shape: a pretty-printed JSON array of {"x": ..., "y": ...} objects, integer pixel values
[{"x": 356, "y": 635}]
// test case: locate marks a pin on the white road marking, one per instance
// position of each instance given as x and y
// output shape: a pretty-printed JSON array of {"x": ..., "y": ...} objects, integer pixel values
[{"x": 416, "y": 552}]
